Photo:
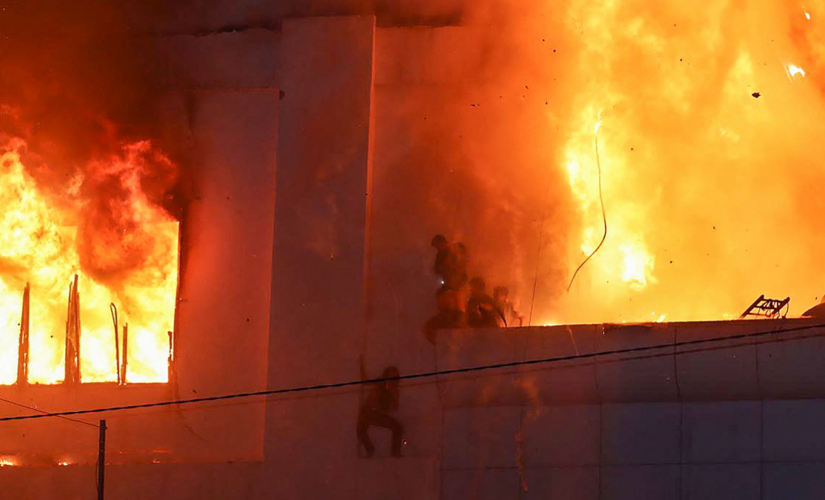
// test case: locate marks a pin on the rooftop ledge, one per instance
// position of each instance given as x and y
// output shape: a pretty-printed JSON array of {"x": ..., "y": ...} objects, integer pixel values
[{"x": 785, "y": 363}]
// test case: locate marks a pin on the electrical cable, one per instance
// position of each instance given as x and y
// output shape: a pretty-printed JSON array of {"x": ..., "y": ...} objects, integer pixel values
[
  {"x": 21, "y": 405},
  {"x": 604, "y": 214},
  {"x": 352, "y": 383}
]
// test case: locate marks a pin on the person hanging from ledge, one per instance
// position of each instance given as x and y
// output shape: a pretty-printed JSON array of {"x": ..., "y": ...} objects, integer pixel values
[
  {"x": 482, "y": 311},
  {"x": 377, "y": 409}
]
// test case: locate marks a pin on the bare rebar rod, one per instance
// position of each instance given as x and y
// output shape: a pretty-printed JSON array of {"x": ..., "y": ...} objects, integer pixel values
[
  {"x": 113, "y": 310},
  {"x": 125, "y": 361},
  {"x": 23, "y": 343},
  {"x": 72, "y": 366},
  {"x": 173, "y": 373}
]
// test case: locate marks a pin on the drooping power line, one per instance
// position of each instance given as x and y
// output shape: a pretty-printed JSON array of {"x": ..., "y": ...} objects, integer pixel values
[
  {"x": 423, "y": 375},
  {"x": 21, "y": 405}
]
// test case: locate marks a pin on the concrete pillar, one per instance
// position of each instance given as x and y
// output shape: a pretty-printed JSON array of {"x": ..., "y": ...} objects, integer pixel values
[
  {"x": 321, "y": 218},
  {"x": 224, "y": 311}
]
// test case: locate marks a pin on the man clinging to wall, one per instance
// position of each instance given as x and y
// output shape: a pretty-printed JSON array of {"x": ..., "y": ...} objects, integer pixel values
[{"x": 378, "y": 408}]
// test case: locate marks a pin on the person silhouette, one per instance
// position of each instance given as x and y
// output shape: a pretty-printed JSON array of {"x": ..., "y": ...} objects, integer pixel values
[{"x": 377, "y": 410}]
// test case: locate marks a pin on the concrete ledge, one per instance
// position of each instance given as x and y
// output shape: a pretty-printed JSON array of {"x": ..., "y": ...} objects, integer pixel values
[
  {"x": 646, "y": 376},
  {"x": 772, "y": 366}
]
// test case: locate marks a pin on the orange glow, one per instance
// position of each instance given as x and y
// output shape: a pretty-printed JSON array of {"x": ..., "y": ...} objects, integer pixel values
[
  {"x": 708, "y": 126},
  {"x": 38, "y": 246}
]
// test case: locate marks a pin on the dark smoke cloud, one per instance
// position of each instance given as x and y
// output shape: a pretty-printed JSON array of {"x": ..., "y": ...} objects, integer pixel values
[
  {"x": 77, "y": 75},
  {"x": 77, "y": 84},
  {"x": 468, "y": 145}
]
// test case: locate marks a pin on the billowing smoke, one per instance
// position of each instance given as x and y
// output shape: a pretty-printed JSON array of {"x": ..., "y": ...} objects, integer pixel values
[
  {"x": 78, "y": 87},
  {"x": 707, "y": 123},
  {"x": 468, "y": 135}
]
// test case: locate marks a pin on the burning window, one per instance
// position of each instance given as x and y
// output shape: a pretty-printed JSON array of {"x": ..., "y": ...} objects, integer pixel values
[{"x": 67, "y": 254}]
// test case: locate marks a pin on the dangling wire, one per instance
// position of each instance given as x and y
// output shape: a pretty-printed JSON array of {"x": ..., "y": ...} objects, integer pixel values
[
  {"x": 538, "y": 256},
  {"x": 601, "y": 201}
]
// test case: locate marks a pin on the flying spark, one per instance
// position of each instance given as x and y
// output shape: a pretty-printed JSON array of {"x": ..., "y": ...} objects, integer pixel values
[{"x": 794, "y": 71}]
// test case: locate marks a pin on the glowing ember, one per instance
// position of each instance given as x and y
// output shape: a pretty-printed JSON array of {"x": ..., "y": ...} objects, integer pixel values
[
  {"x": 39, "y": 245},
  {"x": 794, "y": 71}
]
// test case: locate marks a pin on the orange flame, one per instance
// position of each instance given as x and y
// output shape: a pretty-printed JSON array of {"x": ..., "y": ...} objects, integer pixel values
[
  {"x": 707, "y": 132},
  {"x": 37, "y": 245}
]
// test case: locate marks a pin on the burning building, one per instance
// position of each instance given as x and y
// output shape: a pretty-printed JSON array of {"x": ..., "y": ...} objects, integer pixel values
[{"x": 208, "y": 200}]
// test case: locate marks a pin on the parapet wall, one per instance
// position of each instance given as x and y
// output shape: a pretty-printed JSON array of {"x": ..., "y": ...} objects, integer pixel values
[
  {"x": 686, "y": 365},
  {"x": 735, "y": 419}
]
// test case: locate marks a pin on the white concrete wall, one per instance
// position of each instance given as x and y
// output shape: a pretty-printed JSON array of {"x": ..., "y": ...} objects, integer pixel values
[
  {"x": 320, "y": 253},
  {"x": 703, "y": 424},
  {"x": 715, "y": 450}
]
